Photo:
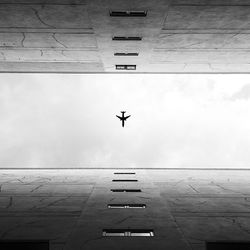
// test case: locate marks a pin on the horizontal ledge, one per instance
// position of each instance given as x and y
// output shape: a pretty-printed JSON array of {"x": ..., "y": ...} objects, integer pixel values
[
  {"x": 50, "y": 61},
  {"x": 207, "y": 63},
  {"x": 43, "y": 195},
  {"x": 18, "y": 213},
  {"x": 205, "y": 31},
  {"x": 89, "y": 49},
  {"x": 96, "y": 168},
  {"x": 91, "y": 63},
  {"x": 210, "y": 214},
  {"x": 209, "y": 5},
  {"x": 39, "y": 215},
  {"x": 46, "y": 30},
  {"x": 200, "y": 49},
  {"x": 206, "y": 196},
  {"x": 44, "y": 3},
  {"x": 84, "y": 72}
]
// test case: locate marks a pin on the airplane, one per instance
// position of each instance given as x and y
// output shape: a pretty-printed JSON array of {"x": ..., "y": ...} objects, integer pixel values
[{"x": 123, "y": 118}]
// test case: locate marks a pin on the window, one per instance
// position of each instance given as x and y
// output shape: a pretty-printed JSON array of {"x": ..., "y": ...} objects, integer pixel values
[
  {"x": 126, "y": 190},
  {"x": 125, "y": 67},
  {"x": 124, "y": 173},
  {"x": 124, "y": 180},
  {"x": 128, "y": 232},
  {"x": 128, "y": 13},
  {"x": 23, "y": 244},
  {"x": 126, "y": 38},
  {"x": 126, "y": 206},
  {"x": 126, "y": 54},
  {"x": 228, "y": 245}
]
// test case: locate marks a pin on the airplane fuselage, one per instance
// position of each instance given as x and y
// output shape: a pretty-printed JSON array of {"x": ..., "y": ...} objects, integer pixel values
[{"x": 123, "y": 118}]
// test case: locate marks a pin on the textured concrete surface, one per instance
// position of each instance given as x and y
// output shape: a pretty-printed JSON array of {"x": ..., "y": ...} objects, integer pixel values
[
  {"x": 185, "y": 208},
  {"x": 76, "y": 36}
]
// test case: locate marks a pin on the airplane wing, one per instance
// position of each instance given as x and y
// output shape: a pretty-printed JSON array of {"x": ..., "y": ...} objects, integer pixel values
[
  {"x": 119, "y": 117},
  {"x": 126, "y": 117}
]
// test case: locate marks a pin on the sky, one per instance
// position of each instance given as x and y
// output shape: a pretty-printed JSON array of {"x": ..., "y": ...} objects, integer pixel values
[{"x": 177, "y": 121}]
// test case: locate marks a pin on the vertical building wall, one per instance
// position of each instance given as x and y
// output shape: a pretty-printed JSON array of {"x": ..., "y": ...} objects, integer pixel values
[{"x": 184, "y": 208}]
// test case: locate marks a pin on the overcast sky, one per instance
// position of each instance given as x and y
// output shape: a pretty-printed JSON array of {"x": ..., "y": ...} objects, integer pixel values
[{"x": 50, "y": 120}]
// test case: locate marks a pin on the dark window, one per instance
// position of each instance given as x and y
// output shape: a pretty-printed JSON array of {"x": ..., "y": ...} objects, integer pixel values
[
  {"x": 126, "y": 38},
  {"x": 124, "y": 173},
  {"x": 124, "y": 180},
  {"x": 125, "y": 67},
  {"x": 126, "y": 206},
  {"x": 126, "y": 190},
  {"x": 228, "y": 245},
  {"x": 128, "y": 232},
  {"x": 128, "y": 13},
  {"x": 126, "y": 54},
  {"x": 24, "y": 245}
]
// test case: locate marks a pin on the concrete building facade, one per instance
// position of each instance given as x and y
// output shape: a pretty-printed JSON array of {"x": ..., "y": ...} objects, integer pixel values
[
  {"x": 77, "y": 36},
  {"x": 185, "y": 209},
  {"x": 118, "y": 209}
]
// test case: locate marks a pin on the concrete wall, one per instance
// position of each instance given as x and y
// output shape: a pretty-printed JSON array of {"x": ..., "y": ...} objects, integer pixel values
[
  {"x": 185, "y": 208},
  {"x": 76, "y": 36}
]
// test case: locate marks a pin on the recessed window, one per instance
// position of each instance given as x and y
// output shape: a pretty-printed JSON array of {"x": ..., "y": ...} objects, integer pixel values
[
  {"x": 126, "y": 54},
  {"x": 127, "y": 38},
  {"x": 125, "y": 67},
  {"x": 128, "y": 13},
  {"x": 124, "y": 173},
  {"x": 125, "y": 190},
  {"x": 228, "y": 245},
  {"x": 126, "y": 206},
  {"x": 124, "y": 180},
  {"x": 23, "y": 244},
  {"x": 128, "y": 232}
]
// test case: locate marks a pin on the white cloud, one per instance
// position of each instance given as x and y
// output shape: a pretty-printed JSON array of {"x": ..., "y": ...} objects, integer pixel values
[{"x": 176, "y": 121}]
